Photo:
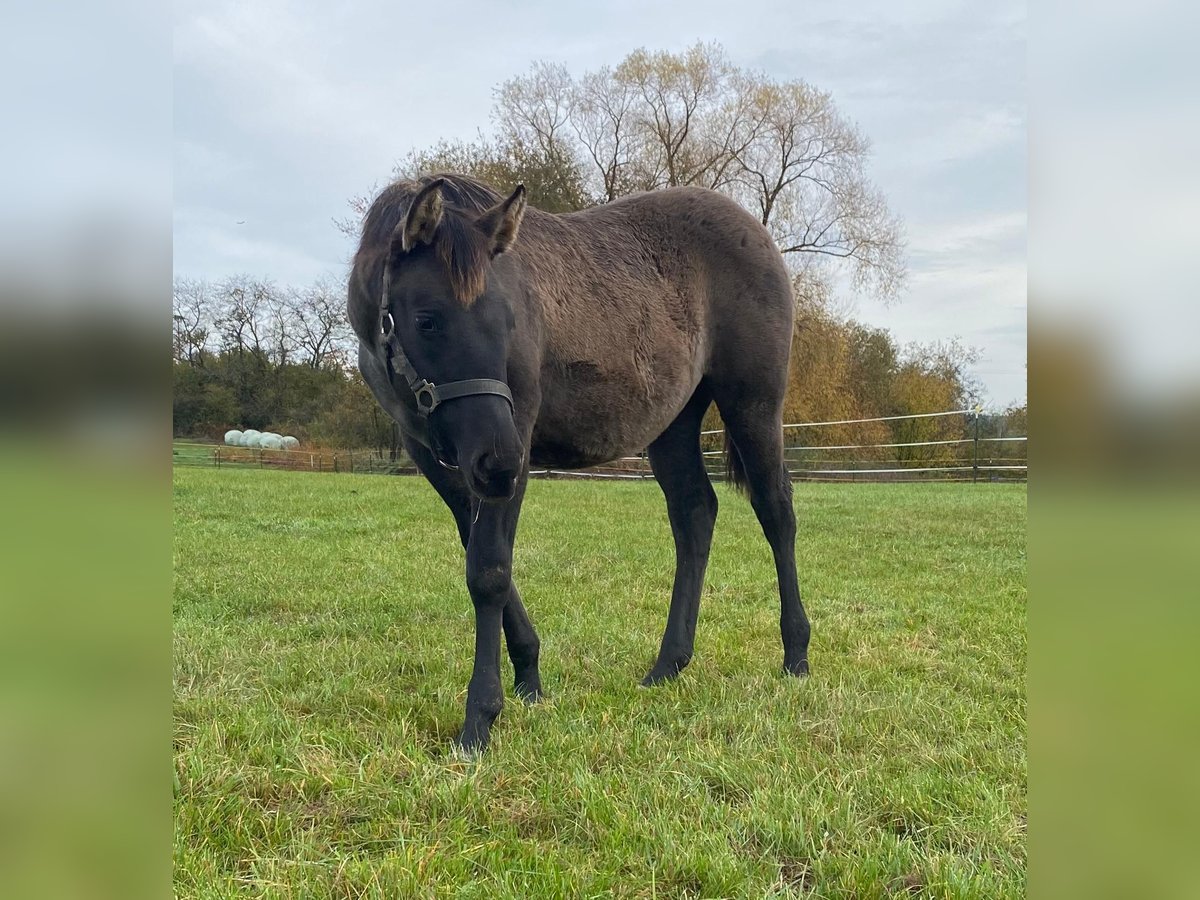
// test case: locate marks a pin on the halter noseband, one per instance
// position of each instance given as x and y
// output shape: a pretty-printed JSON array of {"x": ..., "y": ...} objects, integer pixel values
[{"x": 429, "y": 395}]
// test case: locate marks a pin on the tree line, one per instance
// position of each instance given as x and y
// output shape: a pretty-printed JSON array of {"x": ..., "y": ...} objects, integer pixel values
[{"x": 252, "y": 354}]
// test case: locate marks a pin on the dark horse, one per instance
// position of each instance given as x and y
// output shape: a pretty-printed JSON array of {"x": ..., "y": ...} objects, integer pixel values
[{"x": 500, "y": 336}]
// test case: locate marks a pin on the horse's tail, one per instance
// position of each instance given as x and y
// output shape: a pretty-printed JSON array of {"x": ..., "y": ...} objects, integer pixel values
[{"x": 735, "y": 469}]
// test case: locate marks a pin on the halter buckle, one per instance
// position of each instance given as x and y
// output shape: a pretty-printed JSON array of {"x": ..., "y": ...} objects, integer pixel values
[{"x": 427, "y": 400}]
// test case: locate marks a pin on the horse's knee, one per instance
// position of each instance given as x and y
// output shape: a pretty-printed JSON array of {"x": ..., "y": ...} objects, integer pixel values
[{"x": 489, "y": 584}]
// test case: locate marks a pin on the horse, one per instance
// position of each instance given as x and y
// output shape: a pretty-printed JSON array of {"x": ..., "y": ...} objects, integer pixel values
[{"x": 502, "y": 337}]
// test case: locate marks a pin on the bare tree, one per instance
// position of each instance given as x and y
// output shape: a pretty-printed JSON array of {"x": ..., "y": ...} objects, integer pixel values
[
  {"x": 318, "y": 318},
  {"x": 677, "y": 95},
  {"x": 241, "y": 304},
  {"x": 279, "y": 327},
  {"x": 781, "y": 149},
  {"x": 603, "y": 119},
  {"x": 191, "y": 314},
  {"x": 659, "y": 119},
  {"x": 351, "y": 225},
  {"x": 535, "y": 109},
  {"x": 803, "y": 172}
]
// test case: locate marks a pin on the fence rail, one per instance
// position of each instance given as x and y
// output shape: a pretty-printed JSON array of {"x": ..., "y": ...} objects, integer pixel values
[
  {"x": 365, "y": 462},
  {"x": 957, "y": 453}
]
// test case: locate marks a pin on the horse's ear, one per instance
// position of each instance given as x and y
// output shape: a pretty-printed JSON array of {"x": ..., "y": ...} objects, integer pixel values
[
  {"x": 424, "y": 216},
  {"x": 503, "y": 220}
]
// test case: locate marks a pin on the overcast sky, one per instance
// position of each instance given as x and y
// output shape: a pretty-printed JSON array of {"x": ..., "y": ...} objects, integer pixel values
[{"x": 283, "y": 110}]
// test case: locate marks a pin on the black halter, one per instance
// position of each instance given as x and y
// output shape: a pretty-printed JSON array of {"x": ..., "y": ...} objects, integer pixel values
[{"x": 429, "y": 395}]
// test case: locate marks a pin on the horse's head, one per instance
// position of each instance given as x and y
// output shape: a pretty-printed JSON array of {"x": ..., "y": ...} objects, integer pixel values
[{"x": 454, "y": 323}]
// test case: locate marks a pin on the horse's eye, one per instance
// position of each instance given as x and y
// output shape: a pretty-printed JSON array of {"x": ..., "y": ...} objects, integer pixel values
[{"x": 428, "y": 324}]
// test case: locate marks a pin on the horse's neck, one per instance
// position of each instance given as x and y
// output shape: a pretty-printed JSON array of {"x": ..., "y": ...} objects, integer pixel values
[{"x": 575, "y": 279}]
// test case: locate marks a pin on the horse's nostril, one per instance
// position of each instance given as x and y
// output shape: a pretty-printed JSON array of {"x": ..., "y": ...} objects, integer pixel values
[
  {"x": 493, "y": 475},
  {"x": 484, "y": 465}
]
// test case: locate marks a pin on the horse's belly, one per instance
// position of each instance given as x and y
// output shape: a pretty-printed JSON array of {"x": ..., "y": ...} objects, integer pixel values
[
  {"x": 584, "y": 425},
  {"x": 557, "y": 455},
  {"x": 567, "y": 452}
]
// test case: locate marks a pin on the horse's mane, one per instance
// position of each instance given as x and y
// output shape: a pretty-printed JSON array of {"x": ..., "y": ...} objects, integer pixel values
[{"x": 461, "y": 247}]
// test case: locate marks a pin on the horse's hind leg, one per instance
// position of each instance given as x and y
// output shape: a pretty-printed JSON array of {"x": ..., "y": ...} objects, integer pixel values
[
  {"x": 678, "y": 466},
  {"x": 757, "y": 437},
  {"x": 522, "y": 640},
  {"x": 523, "y": 648}
]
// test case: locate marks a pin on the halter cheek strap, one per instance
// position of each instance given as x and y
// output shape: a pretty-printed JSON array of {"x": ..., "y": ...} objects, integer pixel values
[{"x": 429, "y": 395}]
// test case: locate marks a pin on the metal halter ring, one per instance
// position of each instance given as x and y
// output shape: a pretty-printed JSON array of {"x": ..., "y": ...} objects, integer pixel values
[{"x": 426, "y": 395}]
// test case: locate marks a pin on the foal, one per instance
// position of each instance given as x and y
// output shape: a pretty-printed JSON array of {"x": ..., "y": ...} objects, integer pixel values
[{"x": 500, "y": 336}]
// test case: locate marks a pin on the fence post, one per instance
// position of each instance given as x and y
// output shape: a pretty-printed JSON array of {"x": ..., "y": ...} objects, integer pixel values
[
  {"x": 217, "y": 457},
  {"x": 975, "y": 455}
]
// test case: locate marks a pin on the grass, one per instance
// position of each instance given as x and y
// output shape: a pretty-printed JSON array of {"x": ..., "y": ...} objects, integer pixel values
[{"x": 323, "y": 640}]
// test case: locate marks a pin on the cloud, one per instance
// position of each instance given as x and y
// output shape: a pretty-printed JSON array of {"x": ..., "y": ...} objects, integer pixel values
[
  {"x": 964, "y": 137},
  {"x": 989, "y": 234}
]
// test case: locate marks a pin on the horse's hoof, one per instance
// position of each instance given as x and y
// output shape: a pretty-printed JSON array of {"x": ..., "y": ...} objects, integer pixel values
[
  {"x": 667, "y": 669},
  {"x": 463, "y": 753},
  {"x": 473, "y": 739},
  {"x": 529, "y": 693},
  {"x": 653, "y": 679},
  {"x": 799, "y": 668},
  {"x": 469, "y": 746}
]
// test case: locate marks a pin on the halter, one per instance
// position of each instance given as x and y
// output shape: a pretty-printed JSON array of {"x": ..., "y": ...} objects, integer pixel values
[{"x": 429, "y": 395}]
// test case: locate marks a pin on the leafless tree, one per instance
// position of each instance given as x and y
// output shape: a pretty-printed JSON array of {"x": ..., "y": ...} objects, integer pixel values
[
  {"x": 318, "y": 320},
  {"x": 677, "y": 95},
  {"x": 535, "y": 109},
  {"x": 242, "y": 305},
  {"x": 280, "y": 330},
  {"x": 603, "y": 119},
  {"x": 781, "y": 149},
  {"x": 659, "y": 119},
  {"x": 191, "y": 315}
]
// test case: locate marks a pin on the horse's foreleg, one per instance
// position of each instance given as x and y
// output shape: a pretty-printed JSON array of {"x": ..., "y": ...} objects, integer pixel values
[
  {"x": 523, "y": 648},
  {"x": 519, "y": 634},
  {"x": 489, "y": 580}
]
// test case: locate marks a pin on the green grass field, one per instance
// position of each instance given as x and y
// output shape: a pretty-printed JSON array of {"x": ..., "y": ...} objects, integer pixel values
[{"x": 323, "y": 642}]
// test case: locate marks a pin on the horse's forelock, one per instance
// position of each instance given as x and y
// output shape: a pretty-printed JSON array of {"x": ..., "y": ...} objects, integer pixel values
[
  {"x": 461, "y": 248},
  {"x": 464, "y": 251}
]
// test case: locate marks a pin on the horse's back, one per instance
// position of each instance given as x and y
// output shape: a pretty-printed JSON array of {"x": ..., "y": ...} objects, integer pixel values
[{"x": 641, "y": 298}]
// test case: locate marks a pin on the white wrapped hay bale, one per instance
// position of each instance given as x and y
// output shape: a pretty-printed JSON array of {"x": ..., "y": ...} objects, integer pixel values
[
  {"x": 233, "y": 438},
  {"x": 250, "y": 437},
  {"x": 290, "y": 443},
  {"x": 271, "y": 441}
]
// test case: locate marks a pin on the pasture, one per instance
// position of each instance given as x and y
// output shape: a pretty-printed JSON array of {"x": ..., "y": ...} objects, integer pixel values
[{"x": 322, "y": 645}]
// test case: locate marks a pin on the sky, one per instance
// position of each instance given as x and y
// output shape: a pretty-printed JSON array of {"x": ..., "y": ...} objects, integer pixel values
[{"x": 285, "y": 110}]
